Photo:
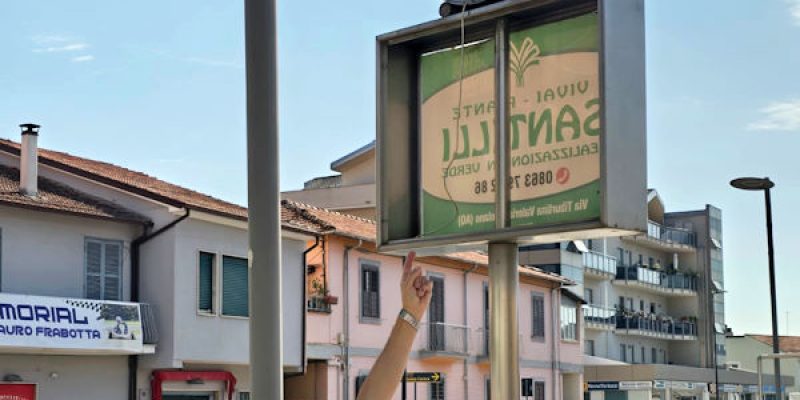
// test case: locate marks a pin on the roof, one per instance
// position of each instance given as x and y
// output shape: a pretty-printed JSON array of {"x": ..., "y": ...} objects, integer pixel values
[
  {"x": 56, "y": 197},
  {"x": 788, "y": 344},
  {"x": 365, "y": 229},
  {"x": 132, "y": 181},
  {"x": 361, "y": 151}
]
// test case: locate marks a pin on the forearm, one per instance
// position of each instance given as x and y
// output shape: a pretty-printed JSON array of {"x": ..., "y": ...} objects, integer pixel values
[{"x": 388, "y": 369}]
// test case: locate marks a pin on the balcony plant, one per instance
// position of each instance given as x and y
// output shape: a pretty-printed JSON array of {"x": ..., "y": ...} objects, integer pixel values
[{"x": 321, "y": 290}]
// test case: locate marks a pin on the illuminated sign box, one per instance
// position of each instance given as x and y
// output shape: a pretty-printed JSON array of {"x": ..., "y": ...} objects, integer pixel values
[{"x": 566, "y": 78}]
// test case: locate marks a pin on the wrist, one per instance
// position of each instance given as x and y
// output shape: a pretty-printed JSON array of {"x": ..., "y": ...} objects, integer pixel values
[{"x": 408, "y": 318}]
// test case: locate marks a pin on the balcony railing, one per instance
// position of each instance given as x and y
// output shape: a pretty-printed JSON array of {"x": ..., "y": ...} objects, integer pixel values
[
  {"x": 671, "y": 235},
  {"x": 651, "y": 325},
  {"x": 318, "y": 304},
  {"x": 442, "y": 338},
  {"x": 600, "y": 262},
  {"x": 597, "y": 315},
  {"x": 662, "y": 280}
]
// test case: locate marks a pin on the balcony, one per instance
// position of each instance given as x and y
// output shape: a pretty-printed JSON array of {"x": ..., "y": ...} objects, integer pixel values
[
  {"x": 658, "y": 327},
  {"x": 443, "y": 341},
  {"x": 665, "y": 238},
  {"x": 63, "y": 326},
  {"x": 599, "y": 265},
  {"x": 676, "y": 284},
  {"x": 599, "y": 318},
  {"x": 318, "y": 304}
]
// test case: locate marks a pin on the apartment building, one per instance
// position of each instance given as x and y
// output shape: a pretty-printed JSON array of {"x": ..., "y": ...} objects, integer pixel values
[
  {"x": 354, "y": 300},
  {"x": 116, "y": 285}
]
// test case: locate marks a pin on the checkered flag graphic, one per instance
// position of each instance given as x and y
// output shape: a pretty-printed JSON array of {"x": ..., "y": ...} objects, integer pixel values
[{"x": 89, "y": 305}]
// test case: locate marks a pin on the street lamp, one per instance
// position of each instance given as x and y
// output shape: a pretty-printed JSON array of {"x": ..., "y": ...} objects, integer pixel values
[{"x": 765, "y": 184}]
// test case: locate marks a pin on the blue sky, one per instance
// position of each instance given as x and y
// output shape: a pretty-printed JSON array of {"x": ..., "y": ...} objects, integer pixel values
[{"x": 159, "y": 87}]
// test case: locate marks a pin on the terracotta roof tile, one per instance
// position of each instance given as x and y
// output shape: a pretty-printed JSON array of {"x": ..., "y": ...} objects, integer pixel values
[
  {"x": 133, "y": 181},
  {"x": 788, "y": 344},
  {"x": 56, "y": 197},
  {"x": 366, "y": 230}
]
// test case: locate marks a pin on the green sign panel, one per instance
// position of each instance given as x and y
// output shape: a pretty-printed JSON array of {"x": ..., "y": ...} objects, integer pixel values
[{"x": 554, "y": 125}]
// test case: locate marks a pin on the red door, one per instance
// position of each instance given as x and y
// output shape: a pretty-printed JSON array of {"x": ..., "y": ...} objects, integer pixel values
[{"x": 17, "y": 391}]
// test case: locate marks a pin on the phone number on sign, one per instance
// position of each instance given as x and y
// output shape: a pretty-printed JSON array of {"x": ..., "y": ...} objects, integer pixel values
[{"x": 532, "y": 179}]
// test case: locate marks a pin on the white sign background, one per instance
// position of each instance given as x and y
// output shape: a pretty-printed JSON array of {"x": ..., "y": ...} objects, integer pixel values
[{"x": 69, "y": 324}]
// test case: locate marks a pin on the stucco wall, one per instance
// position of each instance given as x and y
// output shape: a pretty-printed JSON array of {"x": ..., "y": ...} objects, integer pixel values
[
  {"x": 43, "y": 253},
  {"x": 71, "y": 377}
]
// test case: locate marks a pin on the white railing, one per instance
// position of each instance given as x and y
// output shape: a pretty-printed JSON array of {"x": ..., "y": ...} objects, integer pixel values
[
  {"x": 669, "y": 234},
  {"x": 594, "y": 314},
  {"x": 600, "y": 262},
  {"x": 444, "y": 338}
]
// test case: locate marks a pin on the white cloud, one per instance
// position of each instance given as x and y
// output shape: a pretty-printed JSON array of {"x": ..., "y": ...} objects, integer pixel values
[
  {"x": 794, "y": 9},
  {"x": 779, "y": 116},
  {"x": 85, "y": 58},
  {"x": 59, "y": 49}
]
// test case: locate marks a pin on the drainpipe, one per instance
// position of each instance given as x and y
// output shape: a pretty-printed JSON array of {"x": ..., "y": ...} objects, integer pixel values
[
  {"x": 555, "y": 355},
  {"x": 346, "y": 329},
  {"x": 466, "y": 374},
  {"x": 133, "y": 360}
]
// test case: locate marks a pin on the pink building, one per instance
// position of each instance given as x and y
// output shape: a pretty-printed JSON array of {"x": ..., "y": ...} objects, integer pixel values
[{"x": 354, "y": 299}]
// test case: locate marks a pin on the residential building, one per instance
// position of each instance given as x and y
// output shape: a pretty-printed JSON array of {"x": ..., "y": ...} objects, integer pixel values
[
  {"x": 78, "y": 235},
  {"x": 743, "y": 352},
  {"x": 352, "y": 191},
  {"x": 354, "y": 300}
]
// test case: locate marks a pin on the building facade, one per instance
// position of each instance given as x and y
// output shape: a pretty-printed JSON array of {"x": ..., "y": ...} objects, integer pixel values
[
  {"x": 354, "y": 300},
  {"x": 743, "y": 352}
]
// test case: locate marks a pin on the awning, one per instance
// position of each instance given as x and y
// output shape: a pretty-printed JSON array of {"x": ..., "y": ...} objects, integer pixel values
[
  {"x": 600, "y": 361},
  {"x": 577, "y": 246},
  {"x": 161, "y": 376}
]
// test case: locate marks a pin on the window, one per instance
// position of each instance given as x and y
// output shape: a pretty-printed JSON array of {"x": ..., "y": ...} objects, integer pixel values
[
  {"x": 360, "y": 382},
  {"x": 641, "y": 260},
  {"x": 633, "y": 354},
  {"x": 1, "y": 260},
  {"x": 235, "y": 287},
  {"x": 244, "y": 395},
  {"x": 588, "y": 347},
  {"x": 641, "y": 305},
  {"x": 588, "y": 295},
  {"x": 103, "y": 269},
  {"x": 652, "y": 308},
  {"x": 537, "y": 328},
  {"x": 370, "y": 291},
  {"x": 623, "y": 354},
  {"x": 436, "y": 390},
  {"x": 654, "y": 355},
  {"x": 205, "y": 282},
  {"x": 622, "y": 303},
  {"x": 436, "y": 339},
  {"x": 538, "y": 390},
  {"x": 621, "y": 255},
  {"x": 644, "y": 358},
  {"x": 569, "y": 319},
  {"x": 650, "y": 262}
]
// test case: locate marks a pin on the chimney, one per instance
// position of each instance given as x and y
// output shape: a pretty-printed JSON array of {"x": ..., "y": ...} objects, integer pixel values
[{"x": 29, "y": 160}]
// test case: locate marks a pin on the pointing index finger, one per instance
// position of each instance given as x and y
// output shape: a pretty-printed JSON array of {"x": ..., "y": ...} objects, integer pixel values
[{"x": 408, "y": 264}]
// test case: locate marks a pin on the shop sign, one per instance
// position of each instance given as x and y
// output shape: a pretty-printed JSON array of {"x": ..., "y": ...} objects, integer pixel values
[
  {"x": 566, "y": 119},
  {"x": 601, "y": 386},
  {"x": 39, "y": 322},
  {"x": 660, "y": 384},
  {"x": 17, "y": 391},
  {"x": 636, "y": 385},
  {"x": 751, "y": 388}
]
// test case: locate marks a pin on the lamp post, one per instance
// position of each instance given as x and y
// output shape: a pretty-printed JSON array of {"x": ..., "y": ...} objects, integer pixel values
[{"x": 765, "y": 185}]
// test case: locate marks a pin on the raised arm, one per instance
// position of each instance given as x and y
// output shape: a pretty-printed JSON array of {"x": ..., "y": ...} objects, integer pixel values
[{"x": 385, "y": 375}]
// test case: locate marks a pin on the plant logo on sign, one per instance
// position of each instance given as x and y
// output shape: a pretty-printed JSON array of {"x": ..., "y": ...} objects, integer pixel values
[{"x": 522, "y": 58}]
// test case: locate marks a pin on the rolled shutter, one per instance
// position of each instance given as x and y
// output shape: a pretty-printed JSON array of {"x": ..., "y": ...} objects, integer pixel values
[
  {"x": 112, "y": 253},
  {"x": 94, "y": 270},
  {"x": 235, "y": 287},
  {"x": 538, "y": 317},
  {"x": 205, "y": 282}
]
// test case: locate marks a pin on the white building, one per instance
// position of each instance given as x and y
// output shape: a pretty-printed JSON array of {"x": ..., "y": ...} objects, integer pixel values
[{"x": 93, "y": 233}]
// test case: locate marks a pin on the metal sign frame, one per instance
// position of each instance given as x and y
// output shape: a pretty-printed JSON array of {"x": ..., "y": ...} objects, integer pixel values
[{"x": 623, "y": 172}]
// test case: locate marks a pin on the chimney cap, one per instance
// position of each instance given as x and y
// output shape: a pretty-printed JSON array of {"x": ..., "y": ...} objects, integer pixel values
[{"x": 30, "y": 129}]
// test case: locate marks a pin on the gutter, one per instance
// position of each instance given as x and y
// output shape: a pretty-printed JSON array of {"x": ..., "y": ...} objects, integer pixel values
[
  {"x": 346, "y": 330},
  {"x": 133, "y": 360}
]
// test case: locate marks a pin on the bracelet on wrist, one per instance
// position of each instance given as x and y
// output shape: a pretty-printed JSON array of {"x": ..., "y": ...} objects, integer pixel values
[{"x": 409, "y": 318}]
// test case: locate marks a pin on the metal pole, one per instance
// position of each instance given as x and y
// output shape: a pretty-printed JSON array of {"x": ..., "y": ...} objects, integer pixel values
[
  {"x": 504, "y": 331},
  {"x": 403, "y": 390},
  {"x": 760, "y": 379},
  {"x": 714, "y": 333},
  {"x": 266, "y": 341},
  {"x": 771, "y": 252}
]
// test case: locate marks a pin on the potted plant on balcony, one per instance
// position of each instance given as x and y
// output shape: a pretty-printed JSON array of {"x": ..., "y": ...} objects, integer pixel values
[{"x": 321, "y": 291}]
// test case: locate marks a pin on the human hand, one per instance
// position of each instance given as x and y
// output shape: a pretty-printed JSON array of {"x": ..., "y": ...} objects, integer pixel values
[{"x": 415, "y": 289}]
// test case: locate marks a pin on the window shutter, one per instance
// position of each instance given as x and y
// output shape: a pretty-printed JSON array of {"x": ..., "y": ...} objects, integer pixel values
[
  {"x": 538, "y": 390},
  {"x": 436, "y": 390},
  {"x": 360, "y": 382},
  {"x": 94, "y": 270},
  {"x": 235, "y": 287},
  {"x": 538, "y": 316},
  {"x": 370, "y": 292},
  {"x": 205, "y": 277},
  {"x": 112, "y": 254}
]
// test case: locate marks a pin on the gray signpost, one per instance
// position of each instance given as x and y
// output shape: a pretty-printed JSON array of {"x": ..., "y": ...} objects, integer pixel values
[
  {"x": 519, "y": 122},
  {"x": 264, "y": 226}
]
